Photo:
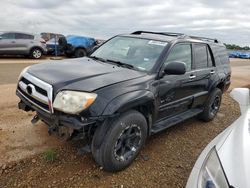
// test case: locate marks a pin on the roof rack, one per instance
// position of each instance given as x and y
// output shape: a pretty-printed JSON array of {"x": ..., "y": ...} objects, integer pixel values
[
  {"x": 178, "y": 35},
  {"x": 205, "y": 39},
  {"x": 159, "y": 33}
]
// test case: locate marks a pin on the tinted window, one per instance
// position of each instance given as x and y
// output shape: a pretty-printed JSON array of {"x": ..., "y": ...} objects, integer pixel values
[
  {"x": 8, "y": 36},
  {"x": 24, "y": 36},
  {"x": 200, "y": 52},
  {"x": 182, "y": 53}
]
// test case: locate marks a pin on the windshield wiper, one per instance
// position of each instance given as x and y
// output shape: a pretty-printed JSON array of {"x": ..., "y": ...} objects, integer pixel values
[
  {"x": 97, "y": 58},
  {"x": 121, "y": 64}
]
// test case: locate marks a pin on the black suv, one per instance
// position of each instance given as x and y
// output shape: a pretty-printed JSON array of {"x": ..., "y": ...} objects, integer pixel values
[{"x": 129, "y": 88}]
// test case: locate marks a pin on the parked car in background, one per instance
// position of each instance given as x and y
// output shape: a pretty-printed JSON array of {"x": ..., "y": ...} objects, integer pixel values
[
  {"x": 233, "y": 54},
  {"x": 18, "y": 43},
  {"x": 244, "y": 55},
  {"x": 225, "y": 162},
  {"x": 49, "y": 36},
  {"x": 239, "y": 54},
  {"x": 129, "y": 88},
  {"x": 53, "y": 47},
  {"x": 76, "y": 46}
]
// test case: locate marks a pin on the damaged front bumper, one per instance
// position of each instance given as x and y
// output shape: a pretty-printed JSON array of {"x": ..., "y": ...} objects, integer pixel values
[{"x": 64, "y": 125}]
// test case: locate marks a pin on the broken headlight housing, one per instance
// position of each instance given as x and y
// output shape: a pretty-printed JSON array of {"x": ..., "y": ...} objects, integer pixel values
[{"x": 212, "y": 174}]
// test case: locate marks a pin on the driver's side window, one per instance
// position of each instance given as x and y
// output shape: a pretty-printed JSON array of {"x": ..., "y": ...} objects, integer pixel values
[{"x": 181, "y": 53}]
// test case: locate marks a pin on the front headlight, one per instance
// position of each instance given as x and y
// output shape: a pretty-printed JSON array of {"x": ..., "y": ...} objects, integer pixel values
[
  {"x": 212, "y": 174},
  {"x": 73, "y": 102},
  {"x": 22, "y": 73}
]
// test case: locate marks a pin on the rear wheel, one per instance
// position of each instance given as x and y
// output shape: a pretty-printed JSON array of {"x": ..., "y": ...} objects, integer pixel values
[
  {"x": 36, "y": 53},
  {"x": 212, "y": 106},
  {"x": 80, "y": 53},
  {"x": 122, "y": 141}
]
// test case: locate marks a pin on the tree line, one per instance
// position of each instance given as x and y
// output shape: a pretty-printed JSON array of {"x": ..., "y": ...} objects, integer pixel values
[{"x": 236, "y": 47}]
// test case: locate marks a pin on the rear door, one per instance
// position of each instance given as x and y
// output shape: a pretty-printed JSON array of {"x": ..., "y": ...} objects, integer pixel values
[
  {"x": 205, "y": 72},
  {"x": 176, "y": 91}
]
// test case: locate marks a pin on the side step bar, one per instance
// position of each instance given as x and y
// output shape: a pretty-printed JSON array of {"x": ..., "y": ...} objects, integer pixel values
[{"x": 164, "y": 124}]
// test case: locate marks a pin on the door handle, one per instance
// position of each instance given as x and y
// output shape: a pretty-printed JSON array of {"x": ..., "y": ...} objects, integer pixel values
[
  {"x": 13, "y": 42},
  {"x": 212, "y": 72},
  {"x": 192, "y": 76}
]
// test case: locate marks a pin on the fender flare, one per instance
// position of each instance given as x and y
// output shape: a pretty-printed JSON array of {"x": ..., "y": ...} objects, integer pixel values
[{"x": 127, "y": 101}]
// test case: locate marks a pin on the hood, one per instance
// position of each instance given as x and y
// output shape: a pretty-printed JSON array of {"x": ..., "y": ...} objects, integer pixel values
[
  {"x": 83, "y": 74},
  {"x": 234, "y": 153}
]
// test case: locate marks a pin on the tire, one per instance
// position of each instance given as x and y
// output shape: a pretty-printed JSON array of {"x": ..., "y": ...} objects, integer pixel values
[
  {"x": 123, "y": 138},
  {"x": 212, "y": 106},
  {"x": 36, "y": 53},
  {"x": 80, "y": 53}
]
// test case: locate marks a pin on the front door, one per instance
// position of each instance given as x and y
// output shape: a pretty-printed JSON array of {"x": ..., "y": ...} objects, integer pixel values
[
  {"x": 7, "y": 43},
  {"x": 176, "y": 92}
]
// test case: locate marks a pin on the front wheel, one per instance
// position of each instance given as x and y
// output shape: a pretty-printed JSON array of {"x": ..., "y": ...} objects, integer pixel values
[
  {"x": 212, "y": 106},
  {"x": 122, "y": 141}
]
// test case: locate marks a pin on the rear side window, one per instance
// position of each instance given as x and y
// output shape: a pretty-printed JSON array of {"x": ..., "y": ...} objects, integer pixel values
[
  {"x": 182, "y": 53},
  {"x": 200, "y": 54},
  {"x": 24, "y": 36}
]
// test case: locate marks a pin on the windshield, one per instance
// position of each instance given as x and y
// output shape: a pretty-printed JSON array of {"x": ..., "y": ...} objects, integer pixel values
[{"x": 137, "y": 52}]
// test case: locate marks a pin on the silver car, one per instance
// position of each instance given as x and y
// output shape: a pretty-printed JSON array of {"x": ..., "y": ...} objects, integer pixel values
[
  {"x": 225, "y": 162},
  {"x": 17, "y": 43}
]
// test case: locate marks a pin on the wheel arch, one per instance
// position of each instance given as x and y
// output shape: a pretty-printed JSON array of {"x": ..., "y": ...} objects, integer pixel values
[
  {"x": 80, "y": 47},
  {"x": 36, "y": 47},
  {"x": 141, "y": 101}
]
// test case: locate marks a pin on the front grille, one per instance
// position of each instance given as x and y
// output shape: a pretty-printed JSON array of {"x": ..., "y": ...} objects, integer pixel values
[
  {"x": 36, "y": 91},
  {"x": 34, "y": 101},
  {"x": 40, "y": 90}
]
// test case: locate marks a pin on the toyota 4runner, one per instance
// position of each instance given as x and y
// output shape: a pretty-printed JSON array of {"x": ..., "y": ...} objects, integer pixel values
[{"x": 129, "y": 88}]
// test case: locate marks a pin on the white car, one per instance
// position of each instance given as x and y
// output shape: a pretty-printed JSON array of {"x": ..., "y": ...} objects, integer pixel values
[{"x": 225, "y": 162}]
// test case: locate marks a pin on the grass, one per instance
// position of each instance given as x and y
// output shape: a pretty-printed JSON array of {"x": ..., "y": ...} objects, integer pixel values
[{"x": 50, "y": 155}]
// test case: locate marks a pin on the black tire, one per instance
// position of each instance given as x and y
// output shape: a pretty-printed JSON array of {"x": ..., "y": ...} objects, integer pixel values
[
  {"x": 128, "y": 131},
  {"x": 80, "y": 53},
  {"x": 212, "y": 106},
  {"x": 36, "y": 53}
]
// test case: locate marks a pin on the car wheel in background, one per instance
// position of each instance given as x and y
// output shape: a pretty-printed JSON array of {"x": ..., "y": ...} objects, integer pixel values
[
  {"x": 122, "y": 141},
  {"x": 80, "y": 53},
  {"x": 36, "y": 53},
  {"x": 212, "y": 106}
]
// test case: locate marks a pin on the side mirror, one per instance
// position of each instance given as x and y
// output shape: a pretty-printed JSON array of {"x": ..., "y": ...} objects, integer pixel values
[
  {"x": 242, "y": 96},
  {"x": 175, "y": 68},
  {"x": 0, "y": 37}
]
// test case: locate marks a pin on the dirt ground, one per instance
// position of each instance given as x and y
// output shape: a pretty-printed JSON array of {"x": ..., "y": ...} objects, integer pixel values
[{"x": 165, "y": 161}]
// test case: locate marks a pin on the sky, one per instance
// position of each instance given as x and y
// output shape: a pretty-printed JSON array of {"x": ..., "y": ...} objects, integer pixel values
[{"x": 228, "y": 21}]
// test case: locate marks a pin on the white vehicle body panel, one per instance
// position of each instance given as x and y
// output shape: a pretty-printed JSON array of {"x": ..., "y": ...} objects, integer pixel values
[{"x": 233, "y": 147}]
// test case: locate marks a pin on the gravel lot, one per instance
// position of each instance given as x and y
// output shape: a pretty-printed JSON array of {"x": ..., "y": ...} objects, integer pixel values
[{"x": 166, "y": 160}]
